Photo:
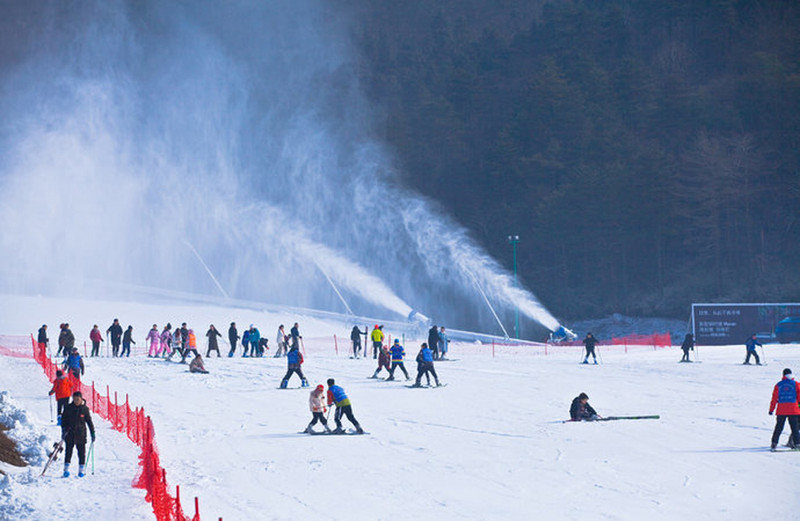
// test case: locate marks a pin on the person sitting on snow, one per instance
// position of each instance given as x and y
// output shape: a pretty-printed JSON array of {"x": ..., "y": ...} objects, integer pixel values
[
  {"x": 580, "y": 410},
  {"x": 196, "y": 365}
]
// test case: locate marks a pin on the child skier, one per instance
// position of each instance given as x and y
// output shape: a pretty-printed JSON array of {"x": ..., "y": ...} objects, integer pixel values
[
  {"x": 343, "y": 407},
  {"x": 294, "y": 359},
  {"x": 425, "y": 366},
  {"x": 751, "y": 344},
  {"x": 687, "y": 345},
  {"x": 383, "y": 361},
  {"x": 580, "y": 410},
  {"x": 398, "y": 354},
  {"x": 62, "y": 388},
  {"x": 316, "y": 402},
  {"x": 75, "y": 419},
  {"x": 155, "y": 340}
]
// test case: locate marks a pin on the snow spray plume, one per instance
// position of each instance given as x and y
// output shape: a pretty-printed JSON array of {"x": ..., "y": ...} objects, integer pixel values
[{"x": 131, "y": 127}]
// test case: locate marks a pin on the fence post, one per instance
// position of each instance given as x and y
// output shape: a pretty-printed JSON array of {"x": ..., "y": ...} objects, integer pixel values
[
  {"x": 108, "y": 401},
  {"x": 127, "y": 417},
  {"x": 335, "y": 344},
  {"x": 177, "y": 501},
  {"x": 196, "y": 508}
]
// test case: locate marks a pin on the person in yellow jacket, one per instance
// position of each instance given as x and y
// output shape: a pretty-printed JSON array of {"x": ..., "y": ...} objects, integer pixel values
[
  {"x": 191, "y": 346},
  {"x": 377, "y": 340}
]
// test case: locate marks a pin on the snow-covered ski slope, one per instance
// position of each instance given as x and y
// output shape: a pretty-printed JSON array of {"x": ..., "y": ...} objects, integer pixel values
[{"x": 490, "y": 445}]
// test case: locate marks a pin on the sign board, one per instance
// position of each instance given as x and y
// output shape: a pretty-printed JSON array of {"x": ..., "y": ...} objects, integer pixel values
[{"x": 730, "y": 324}]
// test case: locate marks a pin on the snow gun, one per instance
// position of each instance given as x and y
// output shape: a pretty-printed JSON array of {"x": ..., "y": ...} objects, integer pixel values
[{"x": 562, "y": 334}]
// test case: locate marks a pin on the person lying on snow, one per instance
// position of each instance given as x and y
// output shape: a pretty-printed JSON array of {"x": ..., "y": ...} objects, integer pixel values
[
  {"x": 196, "y": 365},
  {"x": 580, "y": 410}
]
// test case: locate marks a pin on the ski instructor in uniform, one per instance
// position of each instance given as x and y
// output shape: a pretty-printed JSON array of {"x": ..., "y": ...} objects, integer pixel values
[
  {"x": 785, "y": 395},
  {"x": 74, "y": 421}
]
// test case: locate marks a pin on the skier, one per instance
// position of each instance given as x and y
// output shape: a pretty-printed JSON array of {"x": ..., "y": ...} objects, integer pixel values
[
  {"x": 398, "y": 354},
  {"x": 580, "y": 410},
  {"x": 425, "y": 366},
  {"x": 74, "y": 421},
  {"x": 177, "y": 340},
  {"x": 127, "y": 340},
  {"x": 383, "y": 361},
  {"x": 590, "y": 341},
  {"x": 253, "y": 338},
  {"x": 377, "y": 340},
  {"x": 42, "y": 339},
  {"x": 165, "y": 340},
  {"x": 74, "y": 363},
  {"x": 191, "y": 346},
  {"x": 355, "y": 338},
  {"x": 751, "y": 344},
  {"x": 115, "y": 330},
  {"x": 184, "y": 337},
  {"x": 196, "y": 365},
  {"x": 316, "y": 402},
  {"x": 155, "y": 340},
  {"x": 233, "y": 337},
  {"x": 294, "y": 359},
  {"x": 687, "y": 345},
  {"x": 295, "y": 333},
  {"x": 281, "y": 340},
  {"x": 96, "y": 337},
  {"x": 444, "y": 343},
  {"x": 212, "y": 335},
  {"x": 433, "y": 341},
  {"x": 62, "y": 388},
  {"x": 245, "y": 342},
  {"x": 343, "y": 407},
  {"x": 785, "y": 395}
]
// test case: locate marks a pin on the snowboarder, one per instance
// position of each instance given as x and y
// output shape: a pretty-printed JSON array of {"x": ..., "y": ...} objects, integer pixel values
[
  {"x": 96, "y": 337},
  {"x": 383, "y": 361},
  {"x": 751, "y": 344},
  {"x": 590, "y": 342},
  {"x": 343, "y": 407},
  {"x": 212, "y": 335},
  {"x": 155, "y": 340},
  {"x": 294, "y": 359},
  {"x": 165, "y": 340},
  {"x": 196, "y": 365},
  {"x": 316, "y": 402},
  {"x": 398, "y": 354},
  {"x": 785, "y": 395},
  {"x": 355, "y": 338},
  {"x": 233, "y": 337},
  {"x": 74, "y": 421},
  {"x": 580, "y": 410},
  {"x": 62, "y": 388},
  {"x": 115, "y": 330},
  {"x": 433, "y": 341},
  {"x": 425, "y": 366},
  {"x": 687, "y": 345},
  {"x": 444, "y": 343},
  {"x": 377, "y": 340},
  {"x": 281, "y": 340},
  {"x": 191, "y": 346},
  {"x": 127, "y": 340},
  {"x": 74, "y": 363}
]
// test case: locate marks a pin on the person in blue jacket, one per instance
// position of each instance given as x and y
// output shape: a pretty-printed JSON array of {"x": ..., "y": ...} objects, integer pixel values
[
  {"x": 74, "y": 363},
  {"x": 751, "y": 350},
  {"x": 336, "y": 395},
  {"x": 253, "y": 338},
  {"x": 245, "y": 341},
  {"x": 425, "y": 366},
  {"x": 294, "y": 359},
  {"x": 398, "y": 354}
]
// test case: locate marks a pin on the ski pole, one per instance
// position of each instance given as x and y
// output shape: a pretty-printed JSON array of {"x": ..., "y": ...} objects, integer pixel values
[
  {"x": 51, "y": 407},
  {"x": 763, "y": 355},
  {"x": 91, "y": 452},
  {"x": 599, "y": 355}
]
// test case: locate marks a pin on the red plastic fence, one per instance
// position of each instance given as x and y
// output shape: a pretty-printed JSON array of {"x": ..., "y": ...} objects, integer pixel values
[{"x": 138, "y": 427}]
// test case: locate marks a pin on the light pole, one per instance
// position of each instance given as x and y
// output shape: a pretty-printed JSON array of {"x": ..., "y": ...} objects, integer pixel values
[{"x": 514, "y": 239}]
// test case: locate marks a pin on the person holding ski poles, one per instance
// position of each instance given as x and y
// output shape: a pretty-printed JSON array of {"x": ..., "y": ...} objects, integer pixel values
[
  {"x": 294, "y": 359},
  {"x": 336, "y": 395},
  {"x": 383, "y": 361},
  {"x": 115, "y": 330},
  {"x": 62, "y": 388},
  {"x": 425, "y": 366},
  {"x": 96, "y": 337},
  {"x": 74, "y": 421},
  {"x": 751, "y": 344},
  {"x": 398, "y": 354},
  {"x": 785, "y": 397},
  {"x": 355, "y": 338},
  {"x": 212, "y": 335},
  {"x": 590, "y": 342},
  {"x": 316, "y": 402},
  {"x": 687, "y": 345}
]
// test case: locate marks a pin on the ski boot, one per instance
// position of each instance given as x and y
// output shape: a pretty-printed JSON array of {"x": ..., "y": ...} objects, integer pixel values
[
  {"x": 338, "y": 430},
  {"x": 81, "y": 471},
  {"x": 390, "y": 379},
  {"x": 309, "y": 430},
  {"x": 417, "y": 384},
  {"x": 585, "y": 361},
  {"x": 438, "y": 384},
  {"x": 304, "y": 383},
  {"x": 284, "y": 383},
  {"x": 66, "y": 471},
  {"x": 595, "y": 362},
  {"x": 359, "y": 430},
  {"x": 327, "y": 429}
]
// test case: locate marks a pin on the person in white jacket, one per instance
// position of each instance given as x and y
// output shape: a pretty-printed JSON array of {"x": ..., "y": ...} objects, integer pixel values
[{"x": 316, "y": 402}]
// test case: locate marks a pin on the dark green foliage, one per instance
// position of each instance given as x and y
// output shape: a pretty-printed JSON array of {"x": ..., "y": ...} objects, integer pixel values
[{"x": 648, "y": 153}]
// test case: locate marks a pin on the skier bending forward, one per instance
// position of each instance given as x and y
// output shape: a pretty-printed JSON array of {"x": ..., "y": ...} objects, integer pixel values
[{"x": 343, "y": 408}]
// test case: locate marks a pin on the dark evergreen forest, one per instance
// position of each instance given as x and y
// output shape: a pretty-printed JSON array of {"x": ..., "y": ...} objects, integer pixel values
[{"x": 647, "y": 153}]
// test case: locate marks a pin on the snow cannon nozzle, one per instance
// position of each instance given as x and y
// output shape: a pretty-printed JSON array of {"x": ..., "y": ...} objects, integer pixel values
[
  {"x": 416, "y": 316},
  {"x": 562, "y": 334}
]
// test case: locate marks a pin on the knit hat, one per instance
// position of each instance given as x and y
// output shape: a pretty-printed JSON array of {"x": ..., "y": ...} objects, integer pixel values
[
  {"x": 787, "y": 371},
  {"x": 320, "y": 387}
]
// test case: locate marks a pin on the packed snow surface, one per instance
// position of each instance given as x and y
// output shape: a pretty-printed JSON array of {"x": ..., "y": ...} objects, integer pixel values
[{"x": 489, "y": 445}]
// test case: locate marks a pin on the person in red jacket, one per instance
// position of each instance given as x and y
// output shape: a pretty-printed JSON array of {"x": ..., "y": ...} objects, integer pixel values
[
  {"x": 62, "y": 388},
  {"x": 786, "y": 395},
  {"x": 96, "y": 337}
]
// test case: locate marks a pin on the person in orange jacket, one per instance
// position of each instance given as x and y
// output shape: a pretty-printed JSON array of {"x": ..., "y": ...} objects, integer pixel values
[
  {"x": 785, "y": 397},
  {"x": 191, "y": 346},
  {"x": 62, "y": 388}
]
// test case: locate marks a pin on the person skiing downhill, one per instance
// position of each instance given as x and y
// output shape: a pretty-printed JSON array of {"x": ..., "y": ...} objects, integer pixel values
[
  {"x": 212, "y": 335},
  {"x": 73, "y": 423},
  {"x": 96, "y": 337},
  {"x": 127, "y": 340},
  {"x": 233, "y": 337},
  {"x": 580, "y": 410},
  {"x": 316, "y": 403},
  {"x": 785, "y": 397},
  {"x": 751, "y": 344},
  {"x": 62, "y": 388},
  {"x": 590, "y": 342},
  {"x": 383, "y": 361},
  {"x": 155, "y": 339},
  {"x": 115, "y": 330},
  {"x": 294, "y": 359},
  {"x": 355, "y": 338},
  {"x": 425, "y": 366},
  {"x": 398, "y": 354},
  {"x": 336, "y": 395},
  {"x": 686, "y": 346}
]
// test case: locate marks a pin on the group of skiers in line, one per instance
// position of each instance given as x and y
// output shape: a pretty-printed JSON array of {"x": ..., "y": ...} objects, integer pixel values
[{"x": 438, "y": 342}]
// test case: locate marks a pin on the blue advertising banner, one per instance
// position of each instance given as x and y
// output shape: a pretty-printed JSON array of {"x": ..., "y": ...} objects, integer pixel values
[{"x": 730, "y": 324}]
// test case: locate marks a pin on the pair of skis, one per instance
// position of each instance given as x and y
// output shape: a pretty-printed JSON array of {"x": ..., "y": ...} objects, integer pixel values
[
  {"x": 613, "y": 418},
  {"x": 58, "y": 448}
]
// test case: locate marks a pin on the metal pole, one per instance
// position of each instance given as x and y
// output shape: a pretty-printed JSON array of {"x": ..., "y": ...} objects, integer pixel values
[{"x": 514, "y": 239}]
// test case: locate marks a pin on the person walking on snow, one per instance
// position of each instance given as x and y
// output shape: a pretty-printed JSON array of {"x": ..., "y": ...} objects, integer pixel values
[
  {"x": 177, "y": 341},
  {"x": 74, "y": 363},
  {"x": 155, "y": 340},
  {"x": 383, "y": 361},
  {"x": 115, "y": 330},
  {"x": 444, "y": 343},
  {"x": 295, "y": 333},
  {"x": 42, "y": 339},
  {"x": 590, "y": 342},
  {"x": 355, "y": 338},
  {"x": 212, "y": 335},
  {"x": 281, "y": 340},
  {"x": 785, "y": 397},
  {"x": 686, "y": 346},
  {"x": 294, "y": 359},
  {"x": 398, "y": 354},
  {"x": 580, "y": 410},
  {"x": 61, "y": 339},
  {"x": 96, "y": 337},
  {"x": 191, "y": 346},
  {"x": 377, "y": 340},
  {"x": 68, "y": 340},
  {"x": 233, "y": 337},
  {"x": 316, "y": 402},
  {"x": 433, "y": 341},
  {"x": 73, "y": 423},
  {"x": 62, "y": 388},
  {"x": 336, "y": 395},
  {"x": 165, "y": 340},
  {"x": 253, "y": 338},
  {"x": 751, "y": 344},
  {"x": 127, "y": 340},
  {"x": 425, "y": 366}
]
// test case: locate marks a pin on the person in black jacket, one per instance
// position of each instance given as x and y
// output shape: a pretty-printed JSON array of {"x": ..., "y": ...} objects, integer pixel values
[
  {"x": 580, "y": 410},
  {"x": 590, "y": 341},
  {"x": 212, "y": 335},
  {"x": 115, "y": 330},
  {"x": 355, "y": 338},
  {"x": 127, "y": 340},
  {"x": 687, "y": 345},
  {"x": 233, "y": 337},
  {"x": 43, "y": 340},
  {"x": 433, "y": 341},
  {"x": 73, "y": 424}
]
